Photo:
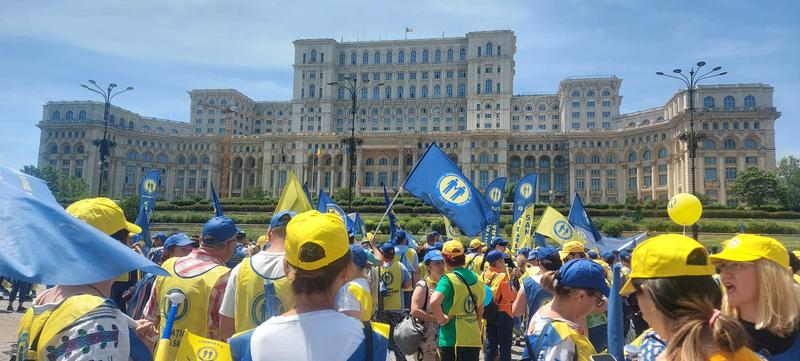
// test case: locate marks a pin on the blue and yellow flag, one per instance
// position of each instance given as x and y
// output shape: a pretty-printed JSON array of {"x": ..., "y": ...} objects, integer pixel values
[
  {"x": 581, "y": 222},
  {"x": 215, "y": 200},
  {"x": 494, "y": 195},
  {"x": 196, "y": 348},
  {"x": 293, "y": 198},
  {"x": 555, "y": 226},
  {"x": 390, "y": 214},
  {"x": 522, "y": 230},
  {"x": 449, "y": 231},
  {"x": 326, "y": 205},
  {"x": 358, "y": 224},
  {"x": 524, "y": 194},
  {"x": 438, "y": 182},
  {"x": 147, "y": 203}
]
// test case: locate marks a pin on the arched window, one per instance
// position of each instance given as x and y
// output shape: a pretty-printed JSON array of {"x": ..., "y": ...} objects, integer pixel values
[
  {"x": 223, "y": 102},
  {"x": 606, "y": 92},
  {"x": 121, "y": 122},
  {"x": 662, "y": 153},
  {"x": 450, "y": 55},
  {"x": 632, "y": 157},
  {"x": 145, "y": 128},
  {"x": 530, "y": 162},
  {"x": 389, "y": 57},
  {"x": 160, "y": 130},
  {"x": 749, "y": 102},
  {"x": 489, "y": 49},
  {"x": 82, "y": 115},
  {"x": 67, "y": 149},
  {"x": 147, "y": 157},
  {"x": 377, "y": 57},
  {"x": 590, "y": 93},
  {"x": 514, "y": 162},
  {"x": 311, "y": 91},
  {"x": 68, "y": 116},
  {"x": 579, "y": 159},
  {"x": 749, "y": 144},
  {"x": 313, "y": 56},
  {"x": 576, "y": 93},
  {"x": 181, "y": 160},
  {"x": 425, "y": 56},
  {"x": 646, "y": 155},
  {"x": 484, "y": 158},
  {"x": 395, "y": 161},
  {"x": 162, "y": 158},
  {"x": 595, "y": 159},
  {"x": 709, "y": 144},
  {"x": 401, "y": 57},
  {"x": 544, "y": 162},
  {"x": 488, "y": 87},
  {"x": 353, "y": 58},
  {"x": 729, "y": 102},
  {"x": 412, "y": 91},
  {"x": 424, "y": 91},
  {"x": 383, "y": 161},
  {"x": 437, "y": 56},
  {"x": 79, "y": 149},
  {"x": 462, "y": 54},
  {"x": 130, "y": 125},
  {"x": 437, "y": 91},
  {"x": 53, "y": 149},
  {"x": 341, "y": 58},
  {"x": 542, "y": 108},
  {"x": 365, "y": 58},
  {"x": 558, "y": 162},
  {"x": 449, "y": 90},
  {"x": 111, "y": 119},
  {"x": 631, "y": 125},
  {"x": 730, "y": 143},
  {"x": 204, "y": 160},
  {"x": 193, "y": 160},
  {"x": 56, "y": 116},
  {"x": 132, "y": 155},
  {"x": 173, "y": 131},
  {"x": 413, "y": 56},
  {"x": 370, "y": 161}
]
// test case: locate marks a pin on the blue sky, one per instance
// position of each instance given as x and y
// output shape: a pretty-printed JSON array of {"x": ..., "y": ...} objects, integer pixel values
[{"x": 165, "y": 48}]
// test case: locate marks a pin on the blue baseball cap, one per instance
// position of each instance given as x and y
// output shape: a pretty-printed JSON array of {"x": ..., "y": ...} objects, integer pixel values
[
  {"x": 281, "y": 219},
  {"x": 494, "y": 256},
  {"x": 548, "y": 253},
  {"x": 625, "y": 254},
  {"x": 532, "y": 255},
  {"x": 524, "y": 251},
  {"x": 438, "y": 246},
  {"x": 387, "y": 247},
  {"x": 592, "y": 254},
  {"x": 161, "y": 236},
  {"x": 399, "y": 236},
  {"x": 499, "y": 241},
  {"x": 584, "y": 273},
  {"x": 359, "y": 255},
  {"x": 177, "y": 239},
  {"x": 433, "y": 255},
  {"x": 218, "y": 230}
]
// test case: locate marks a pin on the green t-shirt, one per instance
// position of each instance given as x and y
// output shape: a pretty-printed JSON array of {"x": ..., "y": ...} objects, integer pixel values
[{"x": 447, "y": 332}]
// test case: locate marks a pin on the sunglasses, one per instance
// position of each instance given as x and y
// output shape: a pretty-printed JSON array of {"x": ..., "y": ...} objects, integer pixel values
[
  {"x": 732, "y": 267},
  {"x": 600, "y": 300}
]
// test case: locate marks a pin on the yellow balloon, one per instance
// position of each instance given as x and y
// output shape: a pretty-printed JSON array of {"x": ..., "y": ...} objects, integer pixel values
[{"x": 685, "y": 209}]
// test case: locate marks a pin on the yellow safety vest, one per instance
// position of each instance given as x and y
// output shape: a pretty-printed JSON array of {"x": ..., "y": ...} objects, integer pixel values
[
  {"x": 410, "y": 257},
  {"x": 41, "y": 328},
  {"x": 477, "y": 260},
  {"x": 363, "y": 297},
  {"x": 250, "y": 309},
  {"x": 192, "y": 314},
  {"x": 392, "y": 278},
  {"x": 464, "y": 312},
  {"x": 583, "y": 347}
]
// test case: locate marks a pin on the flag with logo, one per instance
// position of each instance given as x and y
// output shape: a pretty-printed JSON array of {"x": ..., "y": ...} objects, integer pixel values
[
  {"x": 524, "y": 194},
  {"x": 494, "y": 195},
  {"x": 147, "y": 203},
  {"x": 390, "y": 214},
  {"x": 326, "y": 205},
  {"x": 293, "y": 198},
  {"x": 196, "y": 348},
  {"x": 217, "y": 205},
  {"x": 581, "y": 222},
  {"x": 522, "y": 230},
  {"x": 449, "y": 231},
  {"x": 358, "y": 223},
  {"x": 438, "y": 182},
  {"x": 555, "y": 226}
]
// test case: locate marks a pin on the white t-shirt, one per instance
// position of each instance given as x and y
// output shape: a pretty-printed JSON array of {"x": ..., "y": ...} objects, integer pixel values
[
  {"x": 318, "y": 335},
  {"x": 345, "y": 301},
  {"x": 268, "y": 264}
]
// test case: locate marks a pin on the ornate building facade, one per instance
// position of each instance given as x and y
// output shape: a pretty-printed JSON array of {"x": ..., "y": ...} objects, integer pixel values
[{"x": 456, "y": 92}]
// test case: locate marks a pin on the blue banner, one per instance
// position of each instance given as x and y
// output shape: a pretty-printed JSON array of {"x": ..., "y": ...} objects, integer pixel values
[
  {"x": 581, "y": 222},
  {"x": 390, "y": 214},
  {"x": 326, "y": 205},
  {"x": 524, "y": 194},
  {"x": 438, "y": 182},
  {"x": 215, "y": 200},
  {"x": 147, "y": 203},
  {"x": 494, "y": 195},
  {"x": 39, "y": 240},
  {"x": 616, "y": 329}
]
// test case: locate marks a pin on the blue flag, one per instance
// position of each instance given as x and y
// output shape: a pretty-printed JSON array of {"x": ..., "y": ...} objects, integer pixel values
[
  {"x": 392, "y": 218},
  {"x": 326, "y": 205},
  {"x": 305, "y": 189},
  {"x": 609, "y": 244},
  {"x": 147, "y": 203},
  {"x": 358, "y": 224},
  {"x": 538, "y": 240},
  {"x": 144, "y": 224},
  {"x": 438, "y": 182},
  {"x": 524, "y": 194},
  {"x": 42, "y": 243},
  {"x": 616, "y": 331},
  {"x": 581, "y": 222},
  {"x": 494, "y": 195},
  {"x": 217, "y": 205}
]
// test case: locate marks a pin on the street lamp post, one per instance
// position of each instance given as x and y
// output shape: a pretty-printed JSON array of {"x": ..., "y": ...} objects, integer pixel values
[
  {"x": 691, "y": 137},
  {"x": 104, "y": 145},
  {"x": 353, "y": 85}
]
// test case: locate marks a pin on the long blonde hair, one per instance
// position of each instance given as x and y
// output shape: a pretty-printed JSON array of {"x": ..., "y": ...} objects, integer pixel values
[{"x": 778, "y": 308}]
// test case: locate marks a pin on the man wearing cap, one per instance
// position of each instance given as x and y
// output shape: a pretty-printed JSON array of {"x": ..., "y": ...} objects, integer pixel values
[
  {"x": 501, "y": 245},
  {"x": 475, "y": 256},
  {"x": 156, "y": 250},
  {"x": 500, "y": 327},
  {"x": 408, "y": 257},
  {"x": 244, "y": 305},
  {"x": 394, "y": 278},
  {"x": 572, "y": 250},
  {"x": 531, "y": 295},
  {"x": 201, "y": 277},
  {"x": 62, "y": 315}
]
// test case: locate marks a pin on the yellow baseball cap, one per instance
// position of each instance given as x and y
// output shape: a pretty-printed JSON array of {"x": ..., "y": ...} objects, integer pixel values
[
  {"x": 569, "y": 247},
  {"x": 475, "y": 243},
  {"x": 751, "y": 247},
  {"x": 314, "y": 240},
  {"x": 262, "y": 240},
  {"x": 668, "y": 255},
  {"x": 103, "y": 214},
  {"x": 453, "y": 248}
]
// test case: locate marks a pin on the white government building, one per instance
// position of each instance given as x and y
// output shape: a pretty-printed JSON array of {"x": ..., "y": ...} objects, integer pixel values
[{"x": 456, "y": 92}]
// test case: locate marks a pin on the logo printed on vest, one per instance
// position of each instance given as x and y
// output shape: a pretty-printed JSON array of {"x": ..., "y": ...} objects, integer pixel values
[
  {"x": 387, "y": 278},
  {"x": 183, "y": 308},
  {"x": 469, "y": 306},
  {"x": 562, "y": 229},
  {"x": 453, "y": 189},
  {"x": 258, "y": 311},
  {"x": 207, "y": 354}
]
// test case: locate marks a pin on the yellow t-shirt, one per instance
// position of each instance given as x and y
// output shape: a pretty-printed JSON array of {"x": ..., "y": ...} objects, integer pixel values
[{"x": 744, "y": 354}]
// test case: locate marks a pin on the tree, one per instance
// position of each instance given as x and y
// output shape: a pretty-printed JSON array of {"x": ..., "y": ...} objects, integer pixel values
[
  {"x": 788, "y": 173},
  {"x": 756, "y": 187},
  {"x": 65, "y": 188}
]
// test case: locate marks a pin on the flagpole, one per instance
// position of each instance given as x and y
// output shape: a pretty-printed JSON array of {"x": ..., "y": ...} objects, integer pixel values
[{"x": 388, "y": 209}]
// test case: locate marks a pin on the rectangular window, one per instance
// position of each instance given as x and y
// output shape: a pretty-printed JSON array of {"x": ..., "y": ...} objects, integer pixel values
[
  {"x": 711, "y": 174},
  {"x": 611, "y": 184},
  {"x": 606, "y": 125},
  {"x": 590, "y": 114},
  {"x": 424, "y": 75},
  {"x": 606, "y": 103},
  {"x": 576, "y": 125},
  {"x": 437, "y": 74},
  {"x": 576, "y": 104},
  {"x": 580, "y": 184},
  {"x": 751, "y": 161},
  {"x": 449, "y": 74},
  {"x": 368, "y": 179},
  {"x": 412, "y": 75},
  {"x": 709, "y": 160},
  {"x": 730, "y": 160},
  {"x": 388, "y": 76},
  {"x": 576, "y": 115},
  {"x": 662, "y": 179},
  {"x": 730, "y": 173},
  {"x": 595, "y": 184}
]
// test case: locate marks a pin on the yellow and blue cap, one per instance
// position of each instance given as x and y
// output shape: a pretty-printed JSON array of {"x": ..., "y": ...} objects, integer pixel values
[
  {"x": 665, "y": 256},
  {"x": 315, "y": 240}
]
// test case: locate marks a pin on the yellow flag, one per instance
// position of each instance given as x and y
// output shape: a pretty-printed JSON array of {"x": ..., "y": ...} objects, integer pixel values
[
  {"x": 522, "y": 230},
  {"x": 196, "y": 348},
  {"x": 293, "y": 198},
  {"x": 448, "y": 229},
  {"x": 555, "y": 226}
]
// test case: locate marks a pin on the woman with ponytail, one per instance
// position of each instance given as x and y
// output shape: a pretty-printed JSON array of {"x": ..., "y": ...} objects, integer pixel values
[{"x": 671, "y": 279}]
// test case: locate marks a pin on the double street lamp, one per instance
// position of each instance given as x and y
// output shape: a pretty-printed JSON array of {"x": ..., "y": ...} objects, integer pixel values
[
  {"x": 691, "y": 137},
  {"x": 353, "y": 85},
  {"x": 104, "y": 145}
]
